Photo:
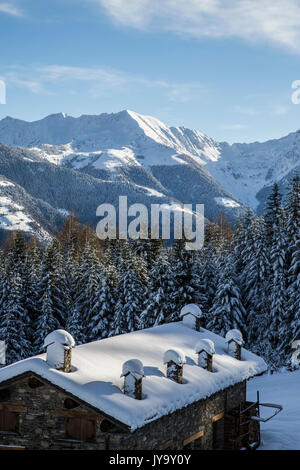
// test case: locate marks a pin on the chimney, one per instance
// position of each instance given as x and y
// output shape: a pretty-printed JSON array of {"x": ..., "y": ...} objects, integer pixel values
[
  {"x": 133, "y": 373},
  {"x": 2, "y": 353},
  {"x": 174, "y": 358},
  {"x": 191, "y": 316},
  {"x": 234, "y": 339},
  {"x": 205, "y": 349},
  {"x": 59, "y": 346},
  {"x": 296, "y": 354}
]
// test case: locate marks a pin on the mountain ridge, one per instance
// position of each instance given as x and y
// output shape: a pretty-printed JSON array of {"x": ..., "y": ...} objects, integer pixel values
[
  {"x": 165, "y": 162},
  {"x": 45, "y": 191}
]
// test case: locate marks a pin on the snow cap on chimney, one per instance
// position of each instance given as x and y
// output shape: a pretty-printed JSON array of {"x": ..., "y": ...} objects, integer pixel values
[
  {"x": 59, "y": 346},
  {"x": 133, "y": 373},
  {"x": 191, "y": 315},
  {"x": 175, "y": 359},
  {"x": 205, "y": 349},
  {"x": 234, "y": 339}
]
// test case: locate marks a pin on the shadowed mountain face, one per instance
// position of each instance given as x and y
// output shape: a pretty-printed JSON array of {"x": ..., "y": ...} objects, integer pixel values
[
  {"x": 35, "y": 194},
  {"x": 70, "y": 163}
]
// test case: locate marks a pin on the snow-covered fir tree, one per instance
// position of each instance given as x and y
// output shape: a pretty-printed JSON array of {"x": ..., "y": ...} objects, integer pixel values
[
  {"x": 159, "y": 306},
  {"x": 14, "y": 321},
  {"x": 102, "y": 314},
  {"x": 184, "y": 291},
  {"x": 254, "y": 280},
  {"x": 227, "y": 311},
  {"x": 131, "y": 292},
  {"x": 75, "y": 325},
  {"x": 292, "y": 329},
  {"x": 206, "y": 276},
  {"x": 51, "y": 294},
  {"x": 89, "y": 276},
  {"x": 278, "y": 273},
  {"x": 46, "y": 320}
]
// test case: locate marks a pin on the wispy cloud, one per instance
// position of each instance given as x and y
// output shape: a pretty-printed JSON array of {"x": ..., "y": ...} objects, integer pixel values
[
  {"x": 246, "y": 110},
  {"x": 234, "y": 127},
  {"x": 280, "y": 110},
  {"x": 275, "y": 21},
  {"x": 58, "y": 73},
  {"x": 45, "y": 79},
  {"x": 10, "y": 9},
  {"x": 264, "y": 108},
  {"x": 34, "y": 86}
]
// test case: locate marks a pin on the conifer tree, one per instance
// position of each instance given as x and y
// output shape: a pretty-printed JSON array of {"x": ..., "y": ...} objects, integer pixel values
[
  {"x": 31, "y": 278},
  {"x": 131, "y": 293},
  {"x": 254, "y": 280},
  {"x": 75, "y": 325},
  {"x": 184, "y": 284},
  {"x": 46, "y": 322},
  {"x": 293, "y": 305},
  {"x": 51, "y": 291},
  {"x": 159, "y": 306},
  {"x": 292, "y": 328},
  {"x": 4, "y": 283},
  {"x": 102, "y": 314},
  {"x": 273, "y": 211},
  {"x": 278, "y": 278},
  {"x": 227, "y": 311},
  {"x": 147, "y": 249},
  {"x": 205, "y": 279},
  {"x": 14, "y": 323},
  {"x": 89, "y": 275}
]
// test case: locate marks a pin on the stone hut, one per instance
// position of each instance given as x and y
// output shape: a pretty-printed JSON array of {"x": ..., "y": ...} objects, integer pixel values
[{"x": 79, "y": 400}]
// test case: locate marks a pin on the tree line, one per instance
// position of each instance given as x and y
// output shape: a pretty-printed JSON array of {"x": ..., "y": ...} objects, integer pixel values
[{"x": 246, "y": 278}]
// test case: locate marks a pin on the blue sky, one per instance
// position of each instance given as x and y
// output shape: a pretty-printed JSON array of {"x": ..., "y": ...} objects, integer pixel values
[{"x": 224, "y": 67}]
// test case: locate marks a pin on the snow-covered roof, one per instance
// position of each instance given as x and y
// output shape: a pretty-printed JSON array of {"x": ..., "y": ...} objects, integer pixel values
[
  {"x": 234, "y": 335},
  {"x": 206, "y": 345},
  {"x": 95, "y": 376},
  {"x": 193, "y": 309}
]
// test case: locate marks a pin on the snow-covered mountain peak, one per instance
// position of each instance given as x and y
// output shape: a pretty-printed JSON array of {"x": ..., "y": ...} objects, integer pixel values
[
  {"x": 148, "y": 138},
  {"x": 180, "y": 139},
  {"x": 129, "y": 139},
  {"x": 56, "y": 116}
]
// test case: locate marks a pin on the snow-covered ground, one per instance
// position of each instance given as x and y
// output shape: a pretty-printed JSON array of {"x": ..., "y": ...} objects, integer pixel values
[
  {"x": 12, "y": 215},
  {"x": 283, "y": 431},
  {"x": 226, "y": 202}
]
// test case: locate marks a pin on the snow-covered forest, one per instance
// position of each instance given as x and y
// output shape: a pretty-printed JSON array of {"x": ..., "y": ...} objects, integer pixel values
[{"x": 247, "y": 278}]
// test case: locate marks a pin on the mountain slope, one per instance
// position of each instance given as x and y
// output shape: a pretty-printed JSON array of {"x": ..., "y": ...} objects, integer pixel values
[
  {"x": 79, "y": 163},
  {"x": 65, "y": 188},
  {"x": 34, "y": 193},
  {"x": 125, "y": 130},
  {"x": 249, "y": 170},
  {"x": 136, "y": 148},
  {"x": 20, "y": 211}
]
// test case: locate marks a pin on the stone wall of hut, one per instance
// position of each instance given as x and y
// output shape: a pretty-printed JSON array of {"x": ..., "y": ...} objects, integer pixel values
[{"x": 45, "y": 416}]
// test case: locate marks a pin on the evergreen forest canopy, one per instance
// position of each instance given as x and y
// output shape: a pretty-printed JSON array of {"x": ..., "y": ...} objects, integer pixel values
[{"x": 247, "y": 278}]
